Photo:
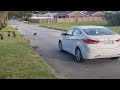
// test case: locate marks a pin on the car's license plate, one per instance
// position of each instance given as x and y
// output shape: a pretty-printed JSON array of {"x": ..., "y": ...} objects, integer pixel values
[{"x": 108, "y": 42}]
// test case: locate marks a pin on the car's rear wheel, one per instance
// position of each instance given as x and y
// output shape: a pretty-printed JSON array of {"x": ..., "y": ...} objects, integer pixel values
[
  {"x": 60, "y": 46},
  {"x": 78, "y": 55},
  {"x": 115, "y": 58}
]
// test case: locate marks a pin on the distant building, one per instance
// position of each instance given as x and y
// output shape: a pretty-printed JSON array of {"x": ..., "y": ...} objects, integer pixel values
[
  {"x": 44, "y": 15},
  {"x": 68, "y": 16}
]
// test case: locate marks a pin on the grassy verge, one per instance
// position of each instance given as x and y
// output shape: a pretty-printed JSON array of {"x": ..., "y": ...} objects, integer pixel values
[
  {"x": 65, "y": 26},
  {"x": 8, "y": 28},
  {"x": 115, "y": 28},
  {"x": 19, "y": 61}
]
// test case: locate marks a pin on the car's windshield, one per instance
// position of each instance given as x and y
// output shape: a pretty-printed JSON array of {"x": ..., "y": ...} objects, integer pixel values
[{"x": 98, "y": 31}]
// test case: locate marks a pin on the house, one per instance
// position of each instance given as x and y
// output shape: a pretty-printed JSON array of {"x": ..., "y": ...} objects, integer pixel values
[
  {"x": 88, "y": 13},
  {"x": 44, "y": 15},
  {"x": 39, "y": 18},
  {"x": 49, "y": 14},
  {"x": 69, "y": 14},
  {"x": 96, "y": 14}
]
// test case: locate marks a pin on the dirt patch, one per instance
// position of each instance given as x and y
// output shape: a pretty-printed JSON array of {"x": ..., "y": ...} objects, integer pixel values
[{"x": 28, "y": 41}]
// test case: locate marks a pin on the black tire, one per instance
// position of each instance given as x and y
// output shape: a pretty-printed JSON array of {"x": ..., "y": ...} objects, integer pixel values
[
  {"x": 115, "y": 58},
  {"x": 60, "y": 46},
  {"x": 78, "y": 55}
]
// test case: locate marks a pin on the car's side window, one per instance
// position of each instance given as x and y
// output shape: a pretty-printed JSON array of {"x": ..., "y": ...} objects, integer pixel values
[
  {"x": 76, "y": 32},
  {"x": 69, "y": 32}
]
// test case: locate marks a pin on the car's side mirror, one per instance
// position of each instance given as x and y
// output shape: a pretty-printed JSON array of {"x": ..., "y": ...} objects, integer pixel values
[{"x": 64, "y": 33}]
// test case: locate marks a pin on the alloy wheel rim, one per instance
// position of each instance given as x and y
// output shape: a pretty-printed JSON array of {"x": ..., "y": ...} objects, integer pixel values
[
  {"x": 78, "y": 56},
  {"x": 60, "y": 47}
]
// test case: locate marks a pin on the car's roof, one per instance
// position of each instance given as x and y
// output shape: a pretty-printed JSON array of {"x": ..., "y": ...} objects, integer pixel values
[{"x": 89, "y": 26}]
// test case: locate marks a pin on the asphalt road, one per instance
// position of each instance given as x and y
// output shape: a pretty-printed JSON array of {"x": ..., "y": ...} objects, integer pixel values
[{"x": 64, "y": 63}]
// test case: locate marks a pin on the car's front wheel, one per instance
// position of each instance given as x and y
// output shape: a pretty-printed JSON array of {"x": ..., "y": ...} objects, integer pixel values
[
  {"x": 78, "y": 55},
  {"x": 60, "y": 46}
]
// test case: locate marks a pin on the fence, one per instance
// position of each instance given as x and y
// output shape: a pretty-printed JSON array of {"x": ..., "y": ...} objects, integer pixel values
[{"x": 66, "y": 20}]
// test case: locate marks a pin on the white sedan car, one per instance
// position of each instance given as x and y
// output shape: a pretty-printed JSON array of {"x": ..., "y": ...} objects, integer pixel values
[{"x": 90, "y": 42}]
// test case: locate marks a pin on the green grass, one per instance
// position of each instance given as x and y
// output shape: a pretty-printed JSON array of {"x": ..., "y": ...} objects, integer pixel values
[
  {"x": 19, "y": 61},
  {"x": 65, "y": 26},
  {"x": 115, "y": 28},
  {"x": 8, "y": 28}
]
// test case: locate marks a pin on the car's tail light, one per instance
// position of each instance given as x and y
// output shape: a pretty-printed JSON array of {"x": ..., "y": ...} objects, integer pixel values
[
  {"x": 89, "y": 41},
  {"x": 118, "y": 40}
]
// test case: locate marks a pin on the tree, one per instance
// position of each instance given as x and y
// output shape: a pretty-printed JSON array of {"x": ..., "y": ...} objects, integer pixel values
[
  {"x": 19, "y": 14},
  {"x": 3, "y": 18},
  {"x": 112, "y": 17}
]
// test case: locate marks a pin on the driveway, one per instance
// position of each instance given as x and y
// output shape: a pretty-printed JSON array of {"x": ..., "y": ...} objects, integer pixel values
[{"x": 64, "y": 63}]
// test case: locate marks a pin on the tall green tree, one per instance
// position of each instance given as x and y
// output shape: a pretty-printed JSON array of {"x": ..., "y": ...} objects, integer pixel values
[
  {"x": 112, "y": 17},
  {"x": 19, "y": 14}
]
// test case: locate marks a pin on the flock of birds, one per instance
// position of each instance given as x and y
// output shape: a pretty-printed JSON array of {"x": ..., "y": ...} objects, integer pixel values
[{"x": 14, "y": 34}]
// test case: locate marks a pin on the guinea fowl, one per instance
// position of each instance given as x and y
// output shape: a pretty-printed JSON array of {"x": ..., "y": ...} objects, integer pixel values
[
  {"x": 14, "y": 34},
  {"x": 1, "y": 36},
  {"x": 35, "y": 33},
  {"x": 8, "y": 34}
]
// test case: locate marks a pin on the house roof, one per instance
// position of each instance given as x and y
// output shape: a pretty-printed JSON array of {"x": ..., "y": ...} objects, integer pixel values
[
  {"x": 90, "y": 12},
  {"x": 65, "y": 13},
  {"x": 50, "y": 14},
  {"x": 97, "y": 13}
]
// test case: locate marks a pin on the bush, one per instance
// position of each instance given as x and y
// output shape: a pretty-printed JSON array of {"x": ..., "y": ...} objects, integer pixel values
[{"x": 112, "y": 18}]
